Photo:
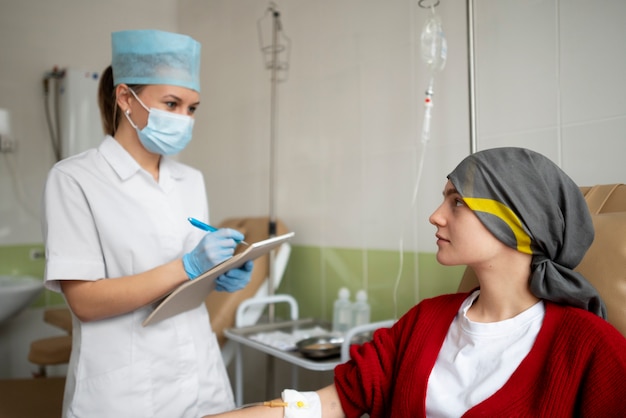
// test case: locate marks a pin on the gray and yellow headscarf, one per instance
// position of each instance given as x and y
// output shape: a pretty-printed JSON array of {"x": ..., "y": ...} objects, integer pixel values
[{"x": 530, "y": 204}]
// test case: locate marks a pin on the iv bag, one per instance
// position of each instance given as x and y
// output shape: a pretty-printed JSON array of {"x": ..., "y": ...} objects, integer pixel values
[{"x": 434, "y": 45}]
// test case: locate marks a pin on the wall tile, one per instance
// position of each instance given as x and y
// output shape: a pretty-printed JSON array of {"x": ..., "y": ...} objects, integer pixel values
[
  {"x": 594, "y": 152},
  {"x": 592, "y": 60},
  {"x": 515, "y": 65}
]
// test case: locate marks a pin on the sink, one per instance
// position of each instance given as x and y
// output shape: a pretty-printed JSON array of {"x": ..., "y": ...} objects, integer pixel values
[{"x": 17, "y": 293}]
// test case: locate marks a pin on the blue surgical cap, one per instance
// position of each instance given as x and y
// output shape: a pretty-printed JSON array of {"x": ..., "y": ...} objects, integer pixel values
[{"x": 155, "y": 57}]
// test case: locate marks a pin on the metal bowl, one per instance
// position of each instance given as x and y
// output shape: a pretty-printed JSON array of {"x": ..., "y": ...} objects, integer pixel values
[
  {"x": 325, "y": 346},
  {"x": 322, "y": 346}
]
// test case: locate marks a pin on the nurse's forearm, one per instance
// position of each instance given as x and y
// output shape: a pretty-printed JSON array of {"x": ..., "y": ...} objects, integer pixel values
[{"x": 99, "y": 299}]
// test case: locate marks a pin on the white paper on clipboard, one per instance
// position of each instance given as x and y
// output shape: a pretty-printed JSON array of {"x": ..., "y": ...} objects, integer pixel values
[{"x": 192, "y": 293}]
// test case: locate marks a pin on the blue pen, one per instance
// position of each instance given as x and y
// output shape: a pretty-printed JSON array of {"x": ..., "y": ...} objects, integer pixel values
[{"x": 206, "y": 227}]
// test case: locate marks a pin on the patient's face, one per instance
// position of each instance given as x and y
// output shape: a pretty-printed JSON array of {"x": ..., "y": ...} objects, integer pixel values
[{"x": 461, "y": 238}]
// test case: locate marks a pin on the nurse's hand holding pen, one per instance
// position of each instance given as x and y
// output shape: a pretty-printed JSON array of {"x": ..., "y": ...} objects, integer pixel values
[{"x": 213, "y": 249}]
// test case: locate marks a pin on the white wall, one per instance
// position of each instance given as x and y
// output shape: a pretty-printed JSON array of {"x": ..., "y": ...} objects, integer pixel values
[
  {"x": 35, "y": 36},
  {"x": 549, "y": 77},
  {"x": 349, "y": 117}
]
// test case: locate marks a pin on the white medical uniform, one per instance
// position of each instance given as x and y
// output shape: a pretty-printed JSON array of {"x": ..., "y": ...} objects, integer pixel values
[{"x": 106, "y": 217}]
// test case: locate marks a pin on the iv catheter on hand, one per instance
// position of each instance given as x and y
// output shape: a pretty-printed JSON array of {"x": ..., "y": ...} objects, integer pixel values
[{"x": 296, "y": 404}]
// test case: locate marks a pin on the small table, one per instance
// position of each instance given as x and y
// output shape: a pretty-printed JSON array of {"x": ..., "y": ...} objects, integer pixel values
[{"x": 242, "y": 336}]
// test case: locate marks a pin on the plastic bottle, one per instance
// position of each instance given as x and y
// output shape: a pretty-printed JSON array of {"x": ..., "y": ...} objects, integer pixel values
[
  {"x": 360, "y": 309},
  {"x": 342, "y": 311}
]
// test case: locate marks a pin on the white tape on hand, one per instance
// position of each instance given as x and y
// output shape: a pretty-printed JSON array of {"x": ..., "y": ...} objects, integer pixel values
[{"x": 302, "y": 404}]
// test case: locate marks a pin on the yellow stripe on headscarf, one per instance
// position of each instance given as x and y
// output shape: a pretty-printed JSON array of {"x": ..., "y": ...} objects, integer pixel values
[{"x": 496, "y": 208}]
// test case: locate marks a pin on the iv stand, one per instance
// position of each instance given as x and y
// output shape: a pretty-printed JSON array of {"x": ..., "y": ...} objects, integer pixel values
[
  {"x": 272, "y": 167},
  {"x": 274, "y": 65}
]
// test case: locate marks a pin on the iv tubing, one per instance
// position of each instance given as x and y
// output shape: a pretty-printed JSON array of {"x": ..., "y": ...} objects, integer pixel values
[
  {"x": 271, "y": 404},
  {"x": 435, "y": 66},
  {"x": 420, "y": 169}
]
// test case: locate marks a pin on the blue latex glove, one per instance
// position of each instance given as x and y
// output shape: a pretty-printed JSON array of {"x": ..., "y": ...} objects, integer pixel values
[
  {"x": 213, "y": 248},
  {"x": 235, "y": 279}
]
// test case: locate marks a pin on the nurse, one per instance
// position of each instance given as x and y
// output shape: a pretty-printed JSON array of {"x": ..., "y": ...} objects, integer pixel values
[{"x": 117, "y": 240}]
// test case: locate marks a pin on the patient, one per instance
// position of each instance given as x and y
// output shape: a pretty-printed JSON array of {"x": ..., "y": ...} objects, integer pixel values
[{"x": 531, "y": 340}]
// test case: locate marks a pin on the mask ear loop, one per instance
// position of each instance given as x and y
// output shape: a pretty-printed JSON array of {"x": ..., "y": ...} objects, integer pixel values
[
  {"x": 127, "y": 114},
  {"x": 138, "y": 99}
]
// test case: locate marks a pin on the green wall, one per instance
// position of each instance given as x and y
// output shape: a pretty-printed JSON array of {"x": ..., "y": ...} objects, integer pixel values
[
  {"x": 17, "y": 260},
  {"x": 313, "y": 276}
]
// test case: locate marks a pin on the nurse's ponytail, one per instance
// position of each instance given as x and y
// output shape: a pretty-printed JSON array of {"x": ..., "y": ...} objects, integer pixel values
[{"x": 109, "y": 112}]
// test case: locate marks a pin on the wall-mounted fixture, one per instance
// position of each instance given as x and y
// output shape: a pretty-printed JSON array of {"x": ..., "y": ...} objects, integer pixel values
[
  {"x": 7, "y": 143},
  {"x": 72, "y": 114}
]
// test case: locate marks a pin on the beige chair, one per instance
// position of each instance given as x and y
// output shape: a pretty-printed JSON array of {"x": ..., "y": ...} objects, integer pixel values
[
  {"x": 604, "y": 265},
  {"x": 222, "y": 306}
]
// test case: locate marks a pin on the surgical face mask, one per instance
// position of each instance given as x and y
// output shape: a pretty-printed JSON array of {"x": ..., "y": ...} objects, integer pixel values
[{"x": 165, "y": 133}]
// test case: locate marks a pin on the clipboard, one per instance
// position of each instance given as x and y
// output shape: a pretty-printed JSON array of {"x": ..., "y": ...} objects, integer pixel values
[{"x": 192, "y": 293}]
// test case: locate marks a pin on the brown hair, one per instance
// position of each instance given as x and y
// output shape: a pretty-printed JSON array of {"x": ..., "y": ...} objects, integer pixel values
[{"x": 110, "y": 114}]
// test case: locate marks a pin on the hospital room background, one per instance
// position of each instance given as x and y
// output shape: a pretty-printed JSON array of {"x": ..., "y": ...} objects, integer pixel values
[{"x": 349, "y": 173}]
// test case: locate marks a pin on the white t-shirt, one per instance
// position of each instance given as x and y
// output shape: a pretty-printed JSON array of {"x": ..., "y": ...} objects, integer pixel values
[
  {"x": 106, "y": 217},
  {"x": 476, "y": 359}
]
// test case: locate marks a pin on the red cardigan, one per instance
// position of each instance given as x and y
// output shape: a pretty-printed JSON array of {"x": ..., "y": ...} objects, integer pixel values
[{"x": 576, "y": 367}]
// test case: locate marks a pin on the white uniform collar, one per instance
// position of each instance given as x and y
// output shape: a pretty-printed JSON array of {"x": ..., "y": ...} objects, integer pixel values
[{"x": 125, "y": 165}]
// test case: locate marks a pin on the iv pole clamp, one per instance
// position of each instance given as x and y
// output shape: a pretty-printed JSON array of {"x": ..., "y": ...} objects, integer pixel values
[{"x": 276, "y": 59}]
